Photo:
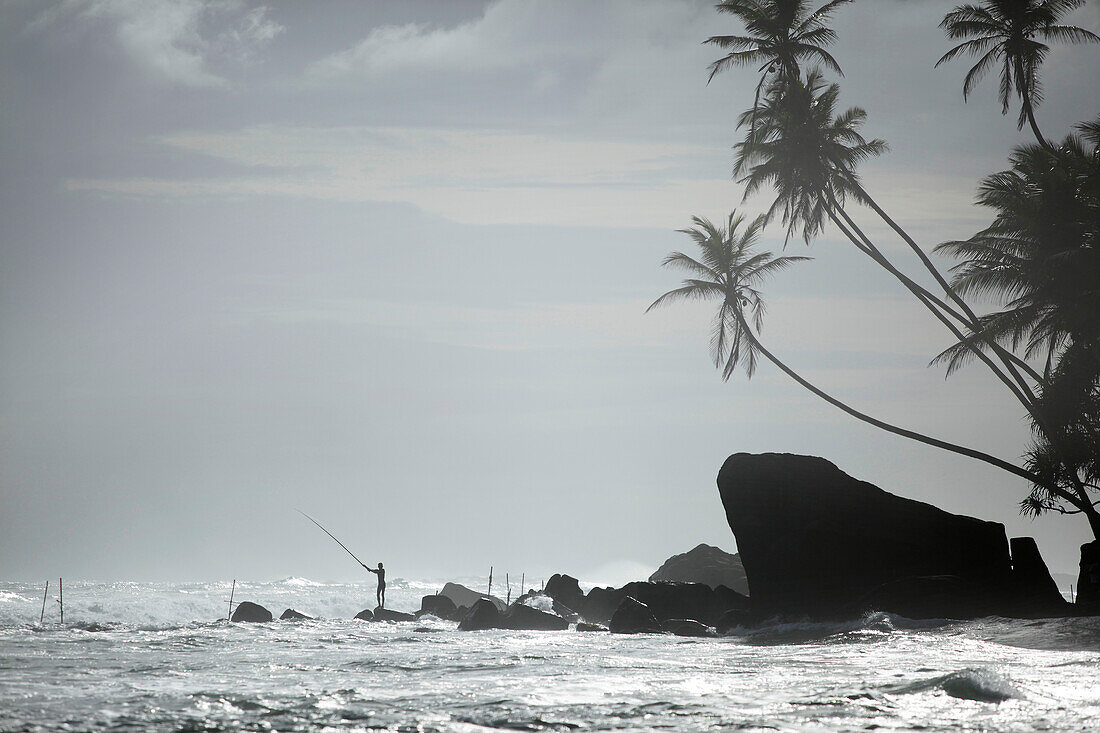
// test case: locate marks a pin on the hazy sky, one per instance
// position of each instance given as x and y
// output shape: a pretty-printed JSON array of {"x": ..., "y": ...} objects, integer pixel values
[{"x": 387, "y": 262}]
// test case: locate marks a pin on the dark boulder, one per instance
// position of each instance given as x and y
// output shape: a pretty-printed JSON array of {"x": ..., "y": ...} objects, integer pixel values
[
  {"x": 386, "y": 614},
  {"x": 439, "y": 606},
  {"x": 291, "y": 615},
  {"x": 705, "y": 564},
  {"x": 482, "y": 615},
  {"x": 600, "y": 604},
  {"x": 365, "y": 615},
  {"x": 565, "y": 590},
  {"x": 1034, "y": 591},
  {"x": 1088, "y": 581},
  {"x": 634, "y": 617},
  {"x": 666, "y": 601},
  {"x": 813, "y": 539},
  {"x": 585, "y": 626},
  {"x": 687, "y": 627},
  {"x": 251, "y": 613},
  {"x": 522, "y": 617},
  {"x": 463, "y": 596}
]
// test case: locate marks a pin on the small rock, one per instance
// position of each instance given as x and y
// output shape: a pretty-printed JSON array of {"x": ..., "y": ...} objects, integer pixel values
[
  {"x": 634, "y": 617},
  {"x": 291, "y": 615},
  {"x": 687, "y": 627},
  {"x": 585, "y": 626},
  {"x": 482, "y": 615},
  {"x": 522, "y": 617},
  {"x": 365, "y": 615},
  {"x": 252, "y": 613}
]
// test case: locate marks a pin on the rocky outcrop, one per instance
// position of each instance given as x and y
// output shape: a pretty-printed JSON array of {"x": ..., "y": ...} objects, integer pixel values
[
  {"x": 484, "y": 614},
  {"x": 817, "y": 542},
  {"x": 291, "y": 615},
  {"x": 523, "y": 617},
  {"x": 365, "y": 615},
  {"x": 634, "y": 617},
  {"x": 705, "y": 564},
  {"x": 565, "y": 590},
  {"x": 1034, "y": 591},
  {"x": 439, "y": 606},
  {"x": 1088, "y": 581},
  {"x": 251, "y": 613},
  {"x": 463, "y": 596},
  {"x": 693, "y": 601}
]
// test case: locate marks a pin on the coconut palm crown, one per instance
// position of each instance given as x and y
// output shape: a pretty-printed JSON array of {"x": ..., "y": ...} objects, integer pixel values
[
  {"x": 1011, "y": 34},
  {"x": 728, "y": 270},
  {"x": 805, "y": 151},
  {"x": 778, "y": 35},
  {"x": 1040, "y": 255}
]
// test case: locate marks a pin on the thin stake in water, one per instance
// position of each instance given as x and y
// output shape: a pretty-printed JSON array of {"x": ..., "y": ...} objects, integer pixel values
[
  {"x": 232, "y": 590},
  {"x": 42, "y": 615},
  {"x": 490, "y": 591},
  {"x": 61, "y": 599},
  {"x": 508, "y": 583}
]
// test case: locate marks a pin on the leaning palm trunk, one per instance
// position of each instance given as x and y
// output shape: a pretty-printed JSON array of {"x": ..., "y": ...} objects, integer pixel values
[
  {"x": 1011, "y": 363},
  {"x": 903, "y": 432},
  {"x": 1079, "y": 498}
]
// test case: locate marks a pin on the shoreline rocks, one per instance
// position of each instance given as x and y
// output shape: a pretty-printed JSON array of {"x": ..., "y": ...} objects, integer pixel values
[{"x": 817, "y": 543}]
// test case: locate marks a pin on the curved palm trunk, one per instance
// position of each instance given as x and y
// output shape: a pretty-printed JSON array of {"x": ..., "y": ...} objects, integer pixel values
[
  {"x": 1028, "y": 110},
  {"x": 936, "y": 306},
  {"x": 1010, "y": 361},
  {"x": 903, "y": 432}
]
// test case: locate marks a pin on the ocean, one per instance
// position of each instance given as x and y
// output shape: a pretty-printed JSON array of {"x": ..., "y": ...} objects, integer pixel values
[{"x": 161, "y": 656}]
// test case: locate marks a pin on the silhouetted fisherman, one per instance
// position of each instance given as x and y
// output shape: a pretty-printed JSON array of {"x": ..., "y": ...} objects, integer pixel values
[{"x": 381, "y": 592}]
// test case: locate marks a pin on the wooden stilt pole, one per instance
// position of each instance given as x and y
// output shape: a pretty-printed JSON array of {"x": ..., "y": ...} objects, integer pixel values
[
  {"x": 490, "y": 591},
  {"x": 231, "y": 592},
  {"x": 508, "y": 585},
  {"x": 61, "y": 599},
  {"x": 42, "y": 615},
  {"x": 522, "y": 577}
]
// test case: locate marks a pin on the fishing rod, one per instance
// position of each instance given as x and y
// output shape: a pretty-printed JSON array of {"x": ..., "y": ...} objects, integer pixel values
[{"x": 330, "y": 534}]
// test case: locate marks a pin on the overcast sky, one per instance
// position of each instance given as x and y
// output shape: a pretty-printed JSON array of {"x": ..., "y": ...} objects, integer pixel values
[{"x": 387, "y": 262}]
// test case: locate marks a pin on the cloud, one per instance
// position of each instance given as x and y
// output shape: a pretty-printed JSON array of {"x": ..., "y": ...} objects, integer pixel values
[
  {"x": 468, "y": 176},
  {"x": 510, "y": 33},
  {"x": 176, "y": 41}
]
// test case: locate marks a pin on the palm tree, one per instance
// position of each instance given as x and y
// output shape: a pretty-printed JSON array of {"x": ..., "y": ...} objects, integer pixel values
[
  {"x": 779, "y": 35},
  {"x": 730, "y": 271},
  {"x": 808, "y": 153},
  {"x": 805, "y": 151},
  {"x": 1041, "y": 254},
  {"x": 1010, "y": 33},
  {"x": 1040, "y": 257}
]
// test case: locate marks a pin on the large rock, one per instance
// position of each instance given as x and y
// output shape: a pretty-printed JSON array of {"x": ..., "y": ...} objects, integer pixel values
[
  {"x": 705, "y": 564},
  {"x": 1088, "y": 581},
  {"x": 365, "y": 615},
  {"x": 814, "y": 540},
  {"x": 523, "y": 617},
  {"x": 482, "y": 615},
  {"x": 1034, "y": 591},
  {"x": 565, "y": 590},
  {"x": 439, "y": 606},
  {"x": 251, "y": 613},
  {"x": 634, "y": 617},
  {"x": 463, "y": 596},
  {"x": 693, "y": 601}
]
